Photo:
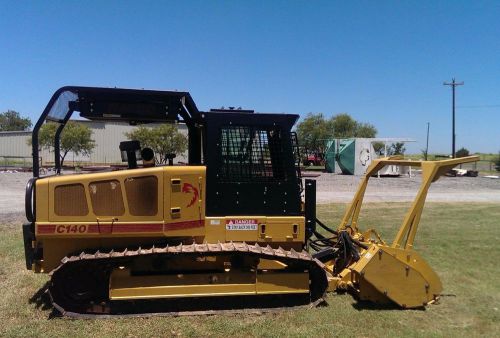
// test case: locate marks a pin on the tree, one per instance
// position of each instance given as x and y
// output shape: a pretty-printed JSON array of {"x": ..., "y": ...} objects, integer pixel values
[
  {"x": 379, "y": 148},
  {"x": 424, "y": 154},
  {"x": 12, "y": 121},
  {"x": 497, "y": 162},
  {"x": 315, "y": 130},
  {"x": 462, "y": 152},
  {"x": 75, "y": 138},
  {"x": 397, "y": 148},
  {"x": 163, "y": 140},
  {"x": 343, "y": 126},
  {"x": 365, "y": 130}
]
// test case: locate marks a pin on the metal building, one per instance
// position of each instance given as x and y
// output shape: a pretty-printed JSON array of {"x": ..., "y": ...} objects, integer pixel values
[
  {"x": 352, "y": 156},
  {"x": 107, "y": 136}
]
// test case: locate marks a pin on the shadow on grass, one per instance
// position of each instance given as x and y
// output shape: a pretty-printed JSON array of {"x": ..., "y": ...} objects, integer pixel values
[
  {"x": 182, "y": 306},
  {"x": 42, "y": 301},
  {"x": 362, "y": 305}
]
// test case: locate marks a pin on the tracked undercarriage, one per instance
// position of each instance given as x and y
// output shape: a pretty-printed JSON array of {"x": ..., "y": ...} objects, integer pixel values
[{"x": 224, "y": 272}]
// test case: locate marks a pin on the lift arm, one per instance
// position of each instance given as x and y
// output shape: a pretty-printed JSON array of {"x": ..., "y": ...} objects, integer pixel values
[{"x": 431, "y": 171}]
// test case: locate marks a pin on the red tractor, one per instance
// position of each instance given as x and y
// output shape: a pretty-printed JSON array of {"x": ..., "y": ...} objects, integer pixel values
[{"x": 314, "y": 159}]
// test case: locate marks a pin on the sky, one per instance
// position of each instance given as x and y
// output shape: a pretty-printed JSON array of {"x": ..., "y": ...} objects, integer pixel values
[{"x": 383, "y": 62}]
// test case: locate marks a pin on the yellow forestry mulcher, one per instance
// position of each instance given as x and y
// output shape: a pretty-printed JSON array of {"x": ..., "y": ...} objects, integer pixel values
[{"x": 227, "y": 231}]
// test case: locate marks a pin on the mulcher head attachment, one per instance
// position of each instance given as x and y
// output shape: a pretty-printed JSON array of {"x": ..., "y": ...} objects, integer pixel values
[{"x": 361, "y": 262}]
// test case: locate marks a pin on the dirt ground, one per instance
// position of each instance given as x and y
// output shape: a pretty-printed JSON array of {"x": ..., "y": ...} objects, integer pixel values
[{"x": 330, "y": 188}]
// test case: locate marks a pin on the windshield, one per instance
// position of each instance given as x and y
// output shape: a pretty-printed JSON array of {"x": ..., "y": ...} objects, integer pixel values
[{"x": 60, "y": 107}]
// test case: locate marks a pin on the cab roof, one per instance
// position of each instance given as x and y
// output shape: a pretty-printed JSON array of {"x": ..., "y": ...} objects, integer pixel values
[{"x": 116, "y": 104}]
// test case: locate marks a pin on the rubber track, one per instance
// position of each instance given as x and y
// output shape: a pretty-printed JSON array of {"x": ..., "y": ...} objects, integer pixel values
[{"x": 317, "y": 273}]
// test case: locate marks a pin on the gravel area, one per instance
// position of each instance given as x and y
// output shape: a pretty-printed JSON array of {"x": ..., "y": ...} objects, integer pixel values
[
  {"x": 330, "y": 188},
  {"x": 12, "y": 187},
  {"x": 341, "y": 188}
]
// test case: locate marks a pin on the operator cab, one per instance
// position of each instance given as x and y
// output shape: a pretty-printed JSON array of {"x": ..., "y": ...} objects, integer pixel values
[{"x": 251, "y": 159}]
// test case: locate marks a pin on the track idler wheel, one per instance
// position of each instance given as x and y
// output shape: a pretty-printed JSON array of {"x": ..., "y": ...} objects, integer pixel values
[{"x": 81, "y": 287}]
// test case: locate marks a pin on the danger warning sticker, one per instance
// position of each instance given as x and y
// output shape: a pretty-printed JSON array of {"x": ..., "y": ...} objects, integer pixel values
[{"x": 241, "y": 224}]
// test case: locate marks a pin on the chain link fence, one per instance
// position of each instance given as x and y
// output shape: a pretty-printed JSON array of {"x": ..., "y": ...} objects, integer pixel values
[{"x": 16, "y": 163}]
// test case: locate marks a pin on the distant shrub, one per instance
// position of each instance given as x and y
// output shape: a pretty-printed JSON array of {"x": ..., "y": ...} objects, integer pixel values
[{"x": 462, "y": 152}]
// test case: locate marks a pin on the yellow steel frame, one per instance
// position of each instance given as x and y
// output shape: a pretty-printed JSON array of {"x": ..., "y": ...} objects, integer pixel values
[
  {"x": 431, "y": 171},
  {"x": 206, "y": 284},
  {"x": 392, "y": 273}
]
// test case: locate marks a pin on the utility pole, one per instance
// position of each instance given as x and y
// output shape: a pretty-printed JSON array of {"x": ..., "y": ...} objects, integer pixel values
[
  {"x": 427, "y": 146},
  {"x": 453, "y": 84}
]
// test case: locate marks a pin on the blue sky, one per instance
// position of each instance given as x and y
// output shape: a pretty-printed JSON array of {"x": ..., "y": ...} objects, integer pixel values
[{"x": 383, "y": 62}]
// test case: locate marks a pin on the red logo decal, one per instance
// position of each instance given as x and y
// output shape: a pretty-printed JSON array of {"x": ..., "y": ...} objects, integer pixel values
[{"x": 188, "y": 188}]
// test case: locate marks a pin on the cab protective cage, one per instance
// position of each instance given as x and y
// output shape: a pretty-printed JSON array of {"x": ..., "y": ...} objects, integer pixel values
[{"x": 135, "y": 106}]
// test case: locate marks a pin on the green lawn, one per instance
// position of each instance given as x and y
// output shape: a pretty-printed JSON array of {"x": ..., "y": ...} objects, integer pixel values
[
  {"x": 459, "y": 241},
  {"x": 482, "y": 156}
]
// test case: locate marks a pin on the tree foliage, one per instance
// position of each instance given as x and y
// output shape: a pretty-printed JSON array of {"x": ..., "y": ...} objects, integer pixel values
[
  {"x": 497, "y": 162},
  {"x": 365, "y": 130},
  {"x": 343, "y": 126},
  {"x": 425, "y": 155},
  {"x": 462, "y": 152},
  {"x": 164, "y": 139},
  {"x": 379, "y": 148},
  {"x": 397, "y": 148},
  {"x": 315, "y": 130},
  {"x": 12, "y": 121},
  {"x": 75, "y": 138}
]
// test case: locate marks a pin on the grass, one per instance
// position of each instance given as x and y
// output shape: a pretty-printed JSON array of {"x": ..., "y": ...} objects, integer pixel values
[
  {"x": 459, "y": 241},
  {"x": 482, "y": 156},
  {"x": 485, "y": 165}
]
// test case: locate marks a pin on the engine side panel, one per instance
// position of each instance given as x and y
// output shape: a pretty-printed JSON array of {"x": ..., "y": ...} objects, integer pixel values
[
  {"x": 142, "y": 207},
  {"x": 117, "y": 209}
]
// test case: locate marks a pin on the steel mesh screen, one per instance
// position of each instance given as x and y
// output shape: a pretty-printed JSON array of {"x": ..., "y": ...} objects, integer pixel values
[
  {"x": 296, "y": 157},
  {"x": 251, "y": 154},
  {"x": 106, "y": 198},
  {"x": 142, "y": 195},
  {"x": 70, "y": 200}
]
